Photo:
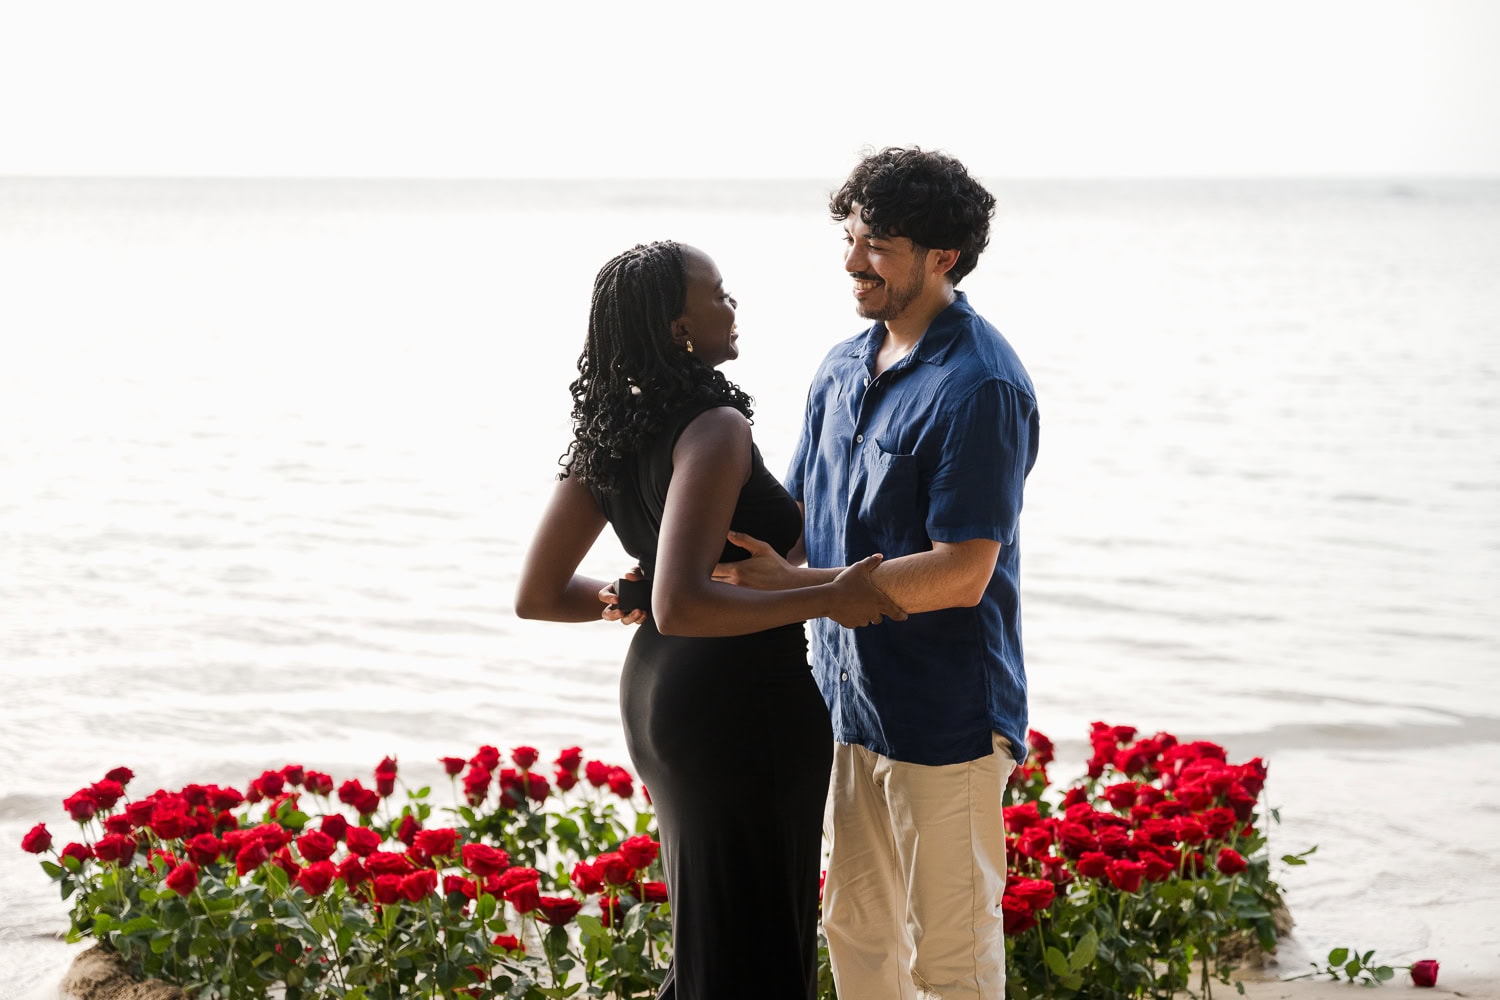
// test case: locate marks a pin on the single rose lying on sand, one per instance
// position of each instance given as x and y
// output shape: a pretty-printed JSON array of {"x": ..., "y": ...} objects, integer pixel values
[{"x": 1424, "y": 973}]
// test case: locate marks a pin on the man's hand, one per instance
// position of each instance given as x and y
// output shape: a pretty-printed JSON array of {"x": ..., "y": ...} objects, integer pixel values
[
  {"x": 611, "y": 612},
  {"x": 764, "y": 570}
]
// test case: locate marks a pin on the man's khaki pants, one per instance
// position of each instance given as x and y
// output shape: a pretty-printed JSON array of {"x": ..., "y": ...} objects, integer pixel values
[{"x": 911, "y": 904}]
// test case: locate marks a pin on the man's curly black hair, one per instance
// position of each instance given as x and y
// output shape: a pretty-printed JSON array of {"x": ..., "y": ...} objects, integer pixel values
[
  {"x": 632, "y": 377},
  {"x": 926, "y": 196}
]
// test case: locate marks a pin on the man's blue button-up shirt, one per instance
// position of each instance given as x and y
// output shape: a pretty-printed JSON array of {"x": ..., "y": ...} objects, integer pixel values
[{"x": 936, "y": 449}]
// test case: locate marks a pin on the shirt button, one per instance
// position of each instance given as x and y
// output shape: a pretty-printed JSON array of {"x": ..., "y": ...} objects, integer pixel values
[
  {"x": 844, "y": 676},
  {"x": 859, "y": 439},
  {"x": 867, "y": 382}
]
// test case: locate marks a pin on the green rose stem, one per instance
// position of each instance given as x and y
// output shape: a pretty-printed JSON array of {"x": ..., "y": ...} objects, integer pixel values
[
  {"x": 1041, "y": 938},
  {"x": 333, "y": 939}
]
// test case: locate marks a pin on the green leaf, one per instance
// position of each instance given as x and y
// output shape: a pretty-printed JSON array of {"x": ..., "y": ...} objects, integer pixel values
[
  {"x": 1352, "y": 968},
  {"x": 52, "y": 870},
  {"x": 1383, "y": 972},
  {"x": 1083, "y": 955},
  {"x": 1072, "y": 980},
  {"x": 138, "y": 924},
  {"x": 1056, "y": 962},
  {"x": 1338, "y": 956}
]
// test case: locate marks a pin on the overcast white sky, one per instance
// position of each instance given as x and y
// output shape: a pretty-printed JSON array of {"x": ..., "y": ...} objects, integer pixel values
[{"x": 681, "y": 89}]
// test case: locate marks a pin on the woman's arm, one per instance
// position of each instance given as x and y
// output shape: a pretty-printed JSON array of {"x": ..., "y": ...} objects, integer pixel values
[
  {"x": 550, "y": 588},
  {"x": 710, "y": 464}
]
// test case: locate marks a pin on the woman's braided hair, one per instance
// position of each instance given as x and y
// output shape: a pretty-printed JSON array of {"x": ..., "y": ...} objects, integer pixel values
[{"x": 632, "y": 377}]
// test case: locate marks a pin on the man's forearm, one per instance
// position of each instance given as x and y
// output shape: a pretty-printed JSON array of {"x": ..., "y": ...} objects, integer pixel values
[{"x": 947, "y": 576}]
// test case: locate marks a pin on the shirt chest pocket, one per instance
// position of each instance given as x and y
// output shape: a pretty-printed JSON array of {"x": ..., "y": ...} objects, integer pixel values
[{"x": 891, "y": 505}]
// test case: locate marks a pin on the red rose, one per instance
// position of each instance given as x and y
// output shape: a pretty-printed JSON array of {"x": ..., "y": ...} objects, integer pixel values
[
  {"x": 537, "y": 788},
  {"x": 656, "y": 892},
  {"x": 269, "y": 784},
  {"x": 1019, "y": 819},
  {"x": 523, "y": 897},
  {"x": 1018, "y": 916},
  {"x": 621, "y": 783},
  {"x": 477, "y": 784},
  {"x": 106, "y": 793},
  {"x": 524, "y": 757},
  {"x": 37, "y": 839},
  {"x": 317, "y": 877},
  {"x": 570, "y": 759},
  {"x": 1126, "y": 875},
  {"x": 1231, "y": 862},
  {"x": 406, "y": 832},
  {"x": 1041, "y": 747},
  {"x": 639, "y": 851},
  {"x": 115, "y": 847},
  {"x": 453, "y": 766},
  {"x": 388, "y": 863},
  {"x": 586, "y": 878},
  {"x": 80, "y": 852},
  {"x": 1035, "y": 842},
  {"x": 294, "y": 774},
  {"x": 362, "y": 840},
  {"x": 1424, "y": 972},
  {"x": 1036, "y": 893},
  {"x": 509, "y": 942},
  {"x": 518, "y": 876},
  {"x": 205, "y": 848},
  {"x": 123, "y": 775},
  {"x": 118, "y": 824},
  {"x": 387, "y": 888},
  {"x": 273, "y": 835},
  {"x": 458, "y": 884},
  {"x": 225, "y": 798},
  {"x": 614, "y": 868},
  {"x": 251, "y": 856},
  {"x": 1189, "y": 830},
  {"x": 1076, "y": 839},
  {"x": 385, "y": 776},
  {"x": 1158, "y": 868},
  {"x": 486, "y": 757},
  {"x": 564, "y": 780},
  {"x": 438, "y": 843},
  {"x": 80, "y": 806},
  {"x": 1121, "y": 795},
  {"x": 1093, "y": 864},
  {"x": 366, "y": 802},
  {"x": 335, "y": 826},
  {"x": 512, "y": 790},
  {"x": 482, "y": 859},
  {"x": 596, "y": 772},
  {"x": 419, "y": 884},
  {"x": 349, "y": 791},
  {"x": 558, "y": 910},
  {"x": 315, "y": 845},
  {"x": 182, "y": 880},
  {"x": 353, "y": 872},
  {"x": 317, "y": 782}
]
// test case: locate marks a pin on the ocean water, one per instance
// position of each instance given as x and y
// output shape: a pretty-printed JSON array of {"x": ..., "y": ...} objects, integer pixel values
[{"x": 270, "y": 453}]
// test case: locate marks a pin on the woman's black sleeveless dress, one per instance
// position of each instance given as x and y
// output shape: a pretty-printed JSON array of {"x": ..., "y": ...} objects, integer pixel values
[{"x": 732, "y": 739}]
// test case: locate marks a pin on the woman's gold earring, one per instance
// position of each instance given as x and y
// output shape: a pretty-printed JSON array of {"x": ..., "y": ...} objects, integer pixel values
[{"x": 689, "y": 344}]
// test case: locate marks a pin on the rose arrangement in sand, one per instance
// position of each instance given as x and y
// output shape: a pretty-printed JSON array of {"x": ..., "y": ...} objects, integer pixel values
[{"x": 1134, "y": 880}]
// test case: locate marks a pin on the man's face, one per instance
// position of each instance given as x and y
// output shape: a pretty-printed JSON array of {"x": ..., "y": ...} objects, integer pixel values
[{"x": 889, "y": 272}]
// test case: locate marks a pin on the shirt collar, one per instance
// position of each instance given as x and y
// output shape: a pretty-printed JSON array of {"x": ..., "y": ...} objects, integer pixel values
[{"x": 936, "y": 339}]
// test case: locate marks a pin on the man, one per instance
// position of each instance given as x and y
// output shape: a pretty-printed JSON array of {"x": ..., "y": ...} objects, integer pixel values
[{"x": 917, "y": 439}]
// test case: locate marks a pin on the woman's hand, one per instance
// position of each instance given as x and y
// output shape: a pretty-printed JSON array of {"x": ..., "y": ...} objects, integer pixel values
[
  {"x": 857, "y": 601},
  {"x": 611, "y": 612},
  {"x": 764, "y": 570}
]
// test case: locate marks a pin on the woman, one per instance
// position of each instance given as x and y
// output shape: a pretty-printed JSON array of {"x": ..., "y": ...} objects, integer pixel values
[{"x": 722, "y": 719}]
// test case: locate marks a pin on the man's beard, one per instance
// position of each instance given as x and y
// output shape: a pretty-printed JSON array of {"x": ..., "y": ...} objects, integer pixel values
[{"x": 897, "y": 298}]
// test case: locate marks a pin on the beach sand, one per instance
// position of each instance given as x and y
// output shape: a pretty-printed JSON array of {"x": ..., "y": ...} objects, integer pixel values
[{"x": 96, "y": 976}]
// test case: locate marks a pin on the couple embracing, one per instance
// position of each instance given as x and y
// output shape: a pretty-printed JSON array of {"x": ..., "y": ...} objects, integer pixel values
[{"x": 895, "y": 532}]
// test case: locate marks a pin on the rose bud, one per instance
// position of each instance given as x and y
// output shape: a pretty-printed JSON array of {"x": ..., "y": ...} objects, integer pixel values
[
  {"x": 36, "y": 840},
  {"x": 183, "y": 879},
  {"x": 1424, "y": 972}
]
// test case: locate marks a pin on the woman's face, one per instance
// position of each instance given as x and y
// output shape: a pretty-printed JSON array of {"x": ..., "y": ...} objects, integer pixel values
[{"x": 708, "y": 313}]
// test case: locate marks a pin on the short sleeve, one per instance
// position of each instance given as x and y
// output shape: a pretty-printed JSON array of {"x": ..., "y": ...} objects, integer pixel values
[{"x": 988, "y": 446}]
